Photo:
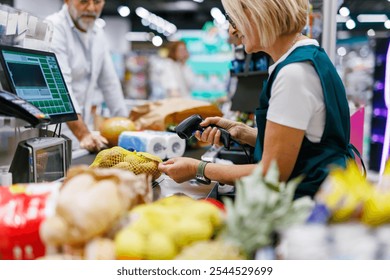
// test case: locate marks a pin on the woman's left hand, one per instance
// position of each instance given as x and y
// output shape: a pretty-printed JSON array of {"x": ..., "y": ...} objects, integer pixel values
[{"x": 180, "y": 169}]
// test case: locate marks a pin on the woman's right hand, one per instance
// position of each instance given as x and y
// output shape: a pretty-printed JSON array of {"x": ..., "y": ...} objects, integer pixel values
[{"x": 212, "y": 135}]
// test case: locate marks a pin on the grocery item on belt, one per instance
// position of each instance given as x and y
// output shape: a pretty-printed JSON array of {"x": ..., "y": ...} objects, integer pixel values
[{"x": 136, "y": 162}]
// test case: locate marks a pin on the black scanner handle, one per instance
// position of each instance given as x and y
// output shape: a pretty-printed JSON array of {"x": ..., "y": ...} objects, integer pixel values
[{"x": 187, "y": 127}]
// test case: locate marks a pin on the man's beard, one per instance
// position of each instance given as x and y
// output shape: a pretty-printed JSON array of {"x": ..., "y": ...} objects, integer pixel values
[
  {"x": 86, "y": 24},
  {"x": 80, "y": 20}
]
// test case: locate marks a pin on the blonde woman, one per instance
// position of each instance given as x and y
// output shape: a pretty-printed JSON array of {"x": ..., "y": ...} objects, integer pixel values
[{"x": 303, "y": 118}]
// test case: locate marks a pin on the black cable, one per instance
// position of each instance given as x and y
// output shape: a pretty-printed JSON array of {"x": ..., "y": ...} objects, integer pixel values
[
  {"x": 55, "y": 130},
  {"x": 248, "y": 157},
  {"x": 59, "y": 130}
]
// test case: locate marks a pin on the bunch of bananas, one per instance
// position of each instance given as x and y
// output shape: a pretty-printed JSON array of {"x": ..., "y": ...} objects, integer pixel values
[
  {"x": 136, "y": 162},
  {"x": 349, "y": 196}
]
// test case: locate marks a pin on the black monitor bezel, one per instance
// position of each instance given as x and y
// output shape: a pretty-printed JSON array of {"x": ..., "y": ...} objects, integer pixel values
[{"x": 55, "y": 119}]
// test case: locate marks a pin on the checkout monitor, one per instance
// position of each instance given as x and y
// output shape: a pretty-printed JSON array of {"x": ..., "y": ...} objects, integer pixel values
[{"x": 36, "y": 77}]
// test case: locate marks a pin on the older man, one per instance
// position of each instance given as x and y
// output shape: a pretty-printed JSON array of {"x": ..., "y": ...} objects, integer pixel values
[{"x": 84, "y": 57}]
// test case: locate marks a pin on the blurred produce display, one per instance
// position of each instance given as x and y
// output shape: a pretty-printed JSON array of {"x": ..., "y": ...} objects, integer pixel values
[
  {"x": 162, "y": 229},
  {"x": 90, "y": 202},
  {"x": 349, "y": 196},
  {"x": 263, "y": 206},
  {"x": 349, "y": 221},
  {"x": 109, "y": 213}
]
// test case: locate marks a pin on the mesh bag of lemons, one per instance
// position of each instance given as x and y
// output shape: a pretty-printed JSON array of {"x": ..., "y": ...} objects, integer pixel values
[{"x": 136, "y": 162}]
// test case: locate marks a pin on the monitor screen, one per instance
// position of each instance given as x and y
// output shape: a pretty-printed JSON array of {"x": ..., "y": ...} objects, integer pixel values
[{"x": 36, "y": 77}]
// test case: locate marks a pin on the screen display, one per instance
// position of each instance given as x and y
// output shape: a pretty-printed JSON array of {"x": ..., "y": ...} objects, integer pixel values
[
  {"x": 36, "y": 77},
  {"x": 49, "y": 164}
]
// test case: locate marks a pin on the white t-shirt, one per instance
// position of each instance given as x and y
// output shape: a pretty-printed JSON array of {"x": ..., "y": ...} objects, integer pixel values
[
  {"x": 178, "y": 76},
  {"x": 297, "y": 98}
]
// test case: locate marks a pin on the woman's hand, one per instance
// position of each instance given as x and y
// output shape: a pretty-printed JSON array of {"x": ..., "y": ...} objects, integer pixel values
[
  {"x": 237, "y": 130},
  {"x": 180, "y": 169}
]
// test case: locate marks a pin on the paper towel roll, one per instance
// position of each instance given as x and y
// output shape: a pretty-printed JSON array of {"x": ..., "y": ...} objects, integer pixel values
[
  {"x": 175, "y": 146},
  {"x": 143, "y": 142}
]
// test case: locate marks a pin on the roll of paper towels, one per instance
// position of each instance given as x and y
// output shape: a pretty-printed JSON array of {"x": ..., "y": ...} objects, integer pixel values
[
  {"x": 143, "y": 142},
  {"x": 175, "y": 146}
]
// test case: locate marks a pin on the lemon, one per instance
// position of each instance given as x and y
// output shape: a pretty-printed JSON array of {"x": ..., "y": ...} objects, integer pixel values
[
  {"x": 130, "y": 244},
  {"x": 191, "y": 230},
  {"x": 176, "y": 200},
  {"x": 206, "y": 211},
  {"x": 160, "y": 247}
]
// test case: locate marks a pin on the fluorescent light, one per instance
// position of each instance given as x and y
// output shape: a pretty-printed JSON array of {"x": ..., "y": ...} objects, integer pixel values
[
  {"x": 157, "y": 41},
  {"x": 123, "y": 11},
  {"x": 142, "y": 12},
  {"x": 218, "y": 15},
  {"x": 351, "y": 24},
  {"x": 344, "y": 11},
  {"x": 137, "y": 36},
  {"x": 387, "y": 23},
  {"x": 386, "y": 144},
  {"x": 371, "y": 32},
  {"x": 372, "y": 18},
  {"x": 341, "y": 51},
  {"x": 155, "y": 22},
  {"x": 341, "y": 19}
]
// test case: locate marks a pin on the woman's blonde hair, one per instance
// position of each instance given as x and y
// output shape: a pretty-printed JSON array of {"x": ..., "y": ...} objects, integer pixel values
[{"x": 273, "y": 17}]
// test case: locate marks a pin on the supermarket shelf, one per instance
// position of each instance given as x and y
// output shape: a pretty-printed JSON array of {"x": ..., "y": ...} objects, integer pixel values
[{"x": 252, "y": 73}]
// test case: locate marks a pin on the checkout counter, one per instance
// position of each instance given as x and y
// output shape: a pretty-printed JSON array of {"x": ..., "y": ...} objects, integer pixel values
[
  {"x": 164, "y": 186},
  {"x": 33, "y": 96},
  {"x": 35, "y": 91}
]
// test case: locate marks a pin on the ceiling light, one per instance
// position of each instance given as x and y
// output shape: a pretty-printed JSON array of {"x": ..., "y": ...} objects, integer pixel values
[
  {"x": 142, "y": 12},
  {"x": 157, "y": 41},
  {"x": 387, "y": 23},
  {"x": 372, "y": 18},
  {"x": 123, "y": 11},
  {"x": 341, "y": 19},
  {"x": 341, "y": 51},
  {"x": 137, "y": 36},
  {"x": 351, "y": 24},
  {"x": 344, "y": 11},
  {"x": 371, "y": 32},
  {"x": 145, "y": 22},
  {"x": 218, "y": 15},
  {"x": 201, "y": 1},
  {"x": 155, "y": 22}
]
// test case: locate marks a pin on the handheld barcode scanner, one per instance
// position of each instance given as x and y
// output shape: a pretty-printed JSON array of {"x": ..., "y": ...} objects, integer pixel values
[{"x": 187, "y": 127}]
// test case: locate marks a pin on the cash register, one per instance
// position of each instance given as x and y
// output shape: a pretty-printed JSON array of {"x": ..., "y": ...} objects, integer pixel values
[{"x": 34, "y": 90}]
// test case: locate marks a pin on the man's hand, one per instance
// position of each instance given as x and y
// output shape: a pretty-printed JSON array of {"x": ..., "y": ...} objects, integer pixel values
[
  {"x": 93, "y": 142},
  {"x": 90, "y": 141}
]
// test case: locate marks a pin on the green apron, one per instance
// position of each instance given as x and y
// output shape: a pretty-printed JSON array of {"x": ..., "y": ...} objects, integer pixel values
[{"x": 314, "y": 159}]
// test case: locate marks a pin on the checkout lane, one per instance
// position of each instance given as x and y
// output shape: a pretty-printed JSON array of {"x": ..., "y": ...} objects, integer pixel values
[
  {"x": 164, "y": 185},
  {"x": 82, "y": 156}
]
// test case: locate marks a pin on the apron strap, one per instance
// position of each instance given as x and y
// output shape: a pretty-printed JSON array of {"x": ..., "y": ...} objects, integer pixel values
[{"x": 356, "y": 151}]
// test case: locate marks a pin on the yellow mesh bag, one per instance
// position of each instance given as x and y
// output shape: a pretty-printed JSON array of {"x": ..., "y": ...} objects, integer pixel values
[{"x": 136, "y": 162}]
